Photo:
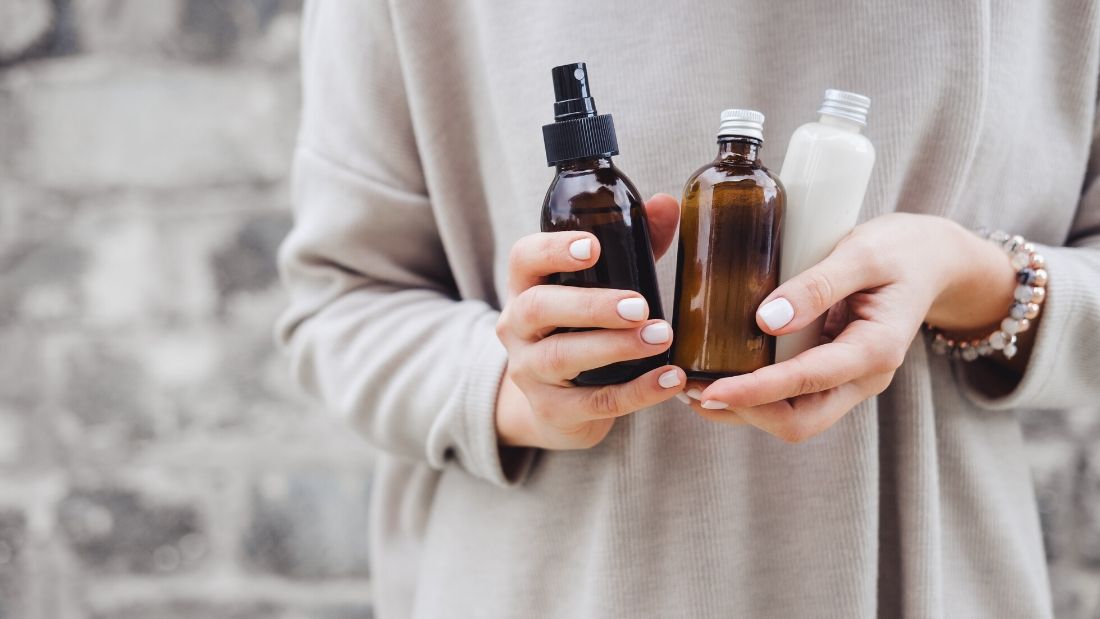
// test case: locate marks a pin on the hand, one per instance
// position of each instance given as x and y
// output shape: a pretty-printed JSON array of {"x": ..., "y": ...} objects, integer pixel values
[
  {"x": 537, "y": 406},
  {"x": 892, "y": 273}
]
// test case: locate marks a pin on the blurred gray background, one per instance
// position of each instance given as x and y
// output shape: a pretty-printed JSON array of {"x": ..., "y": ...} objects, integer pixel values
[{"x": 154, "y": 460}]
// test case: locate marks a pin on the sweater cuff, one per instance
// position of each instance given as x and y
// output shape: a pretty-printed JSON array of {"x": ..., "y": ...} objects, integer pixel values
[
  {"x": 1053, "y": 366},
  {"x": 484, "y": 456}
]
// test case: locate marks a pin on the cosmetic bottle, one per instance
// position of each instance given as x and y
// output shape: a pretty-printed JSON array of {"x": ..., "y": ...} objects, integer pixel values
[
  {"x": 590, "y": 193},
  {"x": 825, "y": 173},
  {"x": 728, "y": 255}
]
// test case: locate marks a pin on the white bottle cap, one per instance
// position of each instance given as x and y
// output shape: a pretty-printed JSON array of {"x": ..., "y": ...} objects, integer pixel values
[
  {"x": 748, "y": 123},
  {"x": 847, "y": 105}
]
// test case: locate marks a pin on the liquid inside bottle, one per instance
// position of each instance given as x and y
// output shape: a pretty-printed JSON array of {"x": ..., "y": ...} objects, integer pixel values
[
  {"x": 825, "y": 173},
  {"x": 728, "y": 252},
  {"x": 590, "y": 193}
]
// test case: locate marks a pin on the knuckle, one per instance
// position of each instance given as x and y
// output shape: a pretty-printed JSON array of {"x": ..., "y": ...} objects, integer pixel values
[
  {"x": 529, "y": 305},
  {"x": 520, "y": 366},
  {"x": 593, "y": 305},
  {"x": 810, "y": 381},
  {"x": 584, "y": 438},
  {"x": 819, "y": 289},
  {"x": 865, "y": 248},
  {"x": 502, "y": 327},
  {"x": 859, "y": 241},
  {"x": 887, "y": 359},
  {"x": 551, "y": 251},
  {"x": 605, "y": 402},
  {"x": 881, "y": 383},
  {"x": 542, "y": 414},
  {"x": 792, "y": 431},
  {"x": 521, "y": 249},
  {"x": 553, "y": 358}
]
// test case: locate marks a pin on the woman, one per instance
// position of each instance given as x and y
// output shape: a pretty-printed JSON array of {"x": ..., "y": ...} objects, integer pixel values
[{"x": 418, "y": 311}]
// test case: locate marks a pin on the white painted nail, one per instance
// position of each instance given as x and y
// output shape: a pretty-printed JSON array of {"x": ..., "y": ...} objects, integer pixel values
[
  {"x": 656, "y": 333},
  {"x": 776, "y": 313},
  {"x": 683, "y": 398},
  {"x": 715, "y": 405},
  {"x": 632, "y": 308},
  {"x": 669, "y": 379},
  {"x": 581, "y": 249},
  {"x": 694, "y": 393}
]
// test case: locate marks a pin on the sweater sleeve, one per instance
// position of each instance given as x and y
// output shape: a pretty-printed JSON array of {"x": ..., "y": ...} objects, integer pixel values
[
  {"x": 375, "y": 327},
  {"x": 1063, "y": 370}
]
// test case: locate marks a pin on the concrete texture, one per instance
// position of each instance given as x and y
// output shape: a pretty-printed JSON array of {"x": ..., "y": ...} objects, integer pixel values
[{"x": 154, "y": 461}]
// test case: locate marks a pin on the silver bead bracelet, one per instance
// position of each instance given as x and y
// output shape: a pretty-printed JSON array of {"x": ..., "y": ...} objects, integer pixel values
[{"x": 1031, "y": 291}]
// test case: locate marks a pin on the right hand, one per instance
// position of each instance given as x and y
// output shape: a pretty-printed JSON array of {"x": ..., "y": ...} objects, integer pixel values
[{"x": 537, "y": 406}]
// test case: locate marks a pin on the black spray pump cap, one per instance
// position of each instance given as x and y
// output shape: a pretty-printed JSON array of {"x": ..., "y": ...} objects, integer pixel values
[
  {"x": 577, "y": 131},
  {"x": 572, "y": 98}
]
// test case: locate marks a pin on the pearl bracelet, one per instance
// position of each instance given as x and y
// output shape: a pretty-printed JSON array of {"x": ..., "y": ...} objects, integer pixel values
[{"x": 1031, "y": 291}]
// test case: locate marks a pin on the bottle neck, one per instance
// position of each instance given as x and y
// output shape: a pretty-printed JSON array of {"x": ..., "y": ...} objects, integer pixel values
[
  {"x": 588, "y": 163},
  {"x": 739, "y": 148},
  {"x": 840, "y": 123}
]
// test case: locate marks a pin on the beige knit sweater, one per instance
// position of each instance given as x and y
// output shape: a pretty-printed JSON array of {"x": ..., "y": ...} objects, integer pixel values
[{"x": 420, "y": 162}]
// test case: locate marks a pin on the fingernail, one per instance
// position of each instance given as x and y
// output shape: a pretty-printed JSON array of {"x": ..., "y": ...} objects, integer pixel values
[
  {"x": 776, "y": 313},
  {"x": 694, "y": 393},
  {"x": 715, "y": 405},
  {"x": 581, "y": 249},
  {"x": 669, "y": 379},
  {"x": 632, "y": 309},
  {"x": 656, "y": 333},
  {"x": 683, "y": 398}
]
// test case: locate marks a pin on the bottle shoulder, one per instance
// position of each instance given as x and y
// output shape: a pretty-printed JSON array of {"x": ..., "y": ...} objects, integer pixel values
[
  {"x": 829, "y": 136},
  {"x": 591, "y": 190},
  {"x": 582, "y": 181},
  {"x": 718, "y": 172}
]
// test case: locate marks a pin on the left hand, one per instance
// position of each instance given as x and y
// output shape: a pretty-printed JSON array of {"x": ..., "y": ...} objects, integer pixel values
[{"x": 893, "y": 273}]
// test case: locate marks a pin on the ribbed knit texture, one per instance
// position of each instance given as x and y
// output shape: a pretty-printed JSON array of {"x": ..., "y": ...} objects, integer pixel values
[{"x": 421, "y": 162}]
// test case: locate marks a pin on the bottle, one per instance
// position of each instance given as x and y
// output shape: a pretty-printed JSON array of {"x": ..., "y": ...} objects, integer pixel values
[
  {"x": 825, "y": 172},
  {"x": 728, "y": 255},
  {"x": 589, "y": 193}
]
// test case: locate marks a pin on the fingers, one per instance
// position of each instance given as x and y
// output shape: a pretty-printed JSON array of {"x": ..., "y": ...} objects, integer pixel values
[
  {"x": 612, "y": 401},
  {"x": 540, "y": 309},
  {"x": 863, "y": 349},
  {"x": 563, "y": 356},
  {"x": 663, "y": 213},
  {"x": 691, "y": 395},
  {"x": 850, "y": 268},
  {"x": 727, "y": 417},
  {"x": 535, "y": 256},
  {"x": 804, "y": 417}
]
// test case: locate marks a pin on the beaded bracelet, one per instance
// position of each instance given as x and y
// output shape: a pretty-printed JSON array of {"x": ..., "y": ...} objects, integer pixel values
[{"x": 1031, "y": 291}]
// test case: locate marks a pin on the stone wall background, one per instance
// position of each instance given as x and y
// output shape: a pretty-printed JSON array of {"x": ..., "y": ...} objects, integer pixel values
[{"x": 154, "y": 461}]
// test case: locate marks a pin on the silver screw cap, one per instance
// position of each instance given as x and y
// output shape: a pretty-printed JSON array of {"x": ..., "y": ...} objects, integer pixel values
[
  {"x": 847, "y": 105},
  {"x": 748, "y": 123}
]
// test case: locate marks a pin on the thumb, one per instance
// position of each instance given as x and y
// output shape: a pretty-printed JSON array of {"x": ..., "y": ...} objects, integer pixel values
[
  {"x": 801, "y": 299},
  {"x": 663, "y": 213}
]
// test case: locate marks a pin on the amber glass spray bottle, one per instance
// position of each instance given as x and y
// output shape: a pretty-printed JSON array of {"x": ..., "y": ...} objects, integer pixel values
[
  {"x": 728, "y": 255},
  {"x": 589, "y": 193}
]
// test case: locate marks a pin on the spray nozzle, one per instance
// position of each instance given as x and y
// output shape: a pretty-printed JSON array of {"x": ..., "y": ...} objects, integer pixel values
[
  {"x": 572, "y": 96},
  {"x": 577, "y": 131}
]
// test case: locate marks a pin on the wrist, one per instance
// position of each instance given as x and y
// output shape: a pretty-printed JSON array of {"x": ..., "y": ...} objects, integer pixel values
[
  {"x": 974, "y": 298},
  {"x": 513, "y": 416}
]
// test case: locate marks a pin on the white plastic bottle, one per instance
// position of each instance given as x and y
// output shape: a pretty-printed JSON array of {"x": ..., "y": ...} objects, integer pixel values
[{"x": 825, "y": 172}]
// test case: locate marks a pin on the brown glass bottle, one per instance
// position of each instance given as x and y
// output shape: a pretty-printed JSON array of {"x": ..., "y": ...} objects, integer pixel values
[
  {"x": 728, "y": 256},
  {"x": 589, "y": 193},
  {"x": 593, "y": 195}
]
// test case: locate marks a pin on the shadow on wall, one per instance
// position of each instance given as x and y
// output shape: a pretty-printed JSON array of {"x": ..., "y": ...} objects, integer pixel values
[{"x": 154, "y": 460}]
